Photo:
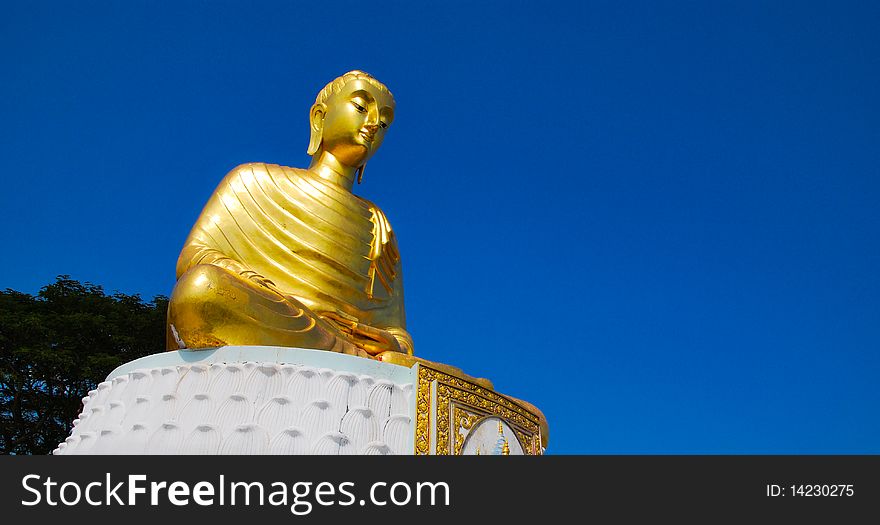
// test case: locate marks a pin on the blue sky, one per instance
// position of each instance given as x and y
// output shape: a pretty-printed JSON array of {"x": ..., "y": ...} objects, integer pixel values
[{"x": 656, "y": 221}]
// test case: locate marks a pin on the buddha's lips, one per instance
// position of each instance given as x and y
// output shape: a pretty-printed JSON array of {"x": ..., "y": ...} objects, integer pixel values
[{"x": 367, "y": 136}]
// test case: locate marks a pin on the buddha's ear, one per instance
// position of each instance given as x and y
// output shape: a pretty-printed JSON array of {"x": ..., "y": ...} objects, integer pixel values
[{"x": 316, "y": 126}]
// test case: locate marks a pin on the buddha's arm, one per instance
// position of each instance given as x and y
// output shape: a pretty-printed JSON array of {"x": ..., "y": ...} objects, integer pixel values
[
  {"x": 397, "y": 324},
  {"x": 393, "y": 320}
]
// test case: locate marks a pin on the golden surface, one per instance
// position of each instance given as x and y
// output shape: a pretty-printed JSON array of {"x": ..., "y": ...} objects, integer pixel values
[
  {"x": 410, "y": 360},
  {"x": 290, "y": 257},
  {"x": 458, "y": 399},
  {"x": 466, "y": 420}
]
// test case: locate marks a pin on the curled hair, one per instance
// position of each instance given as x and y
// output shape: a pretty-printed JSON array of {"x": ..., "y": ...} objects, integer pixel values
[{"x": 336, "y": 85}]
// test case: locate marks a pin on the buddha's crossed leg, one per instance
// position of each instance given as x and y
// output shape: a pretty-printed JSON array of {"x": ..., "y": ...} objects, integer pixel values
[{"x": 212, "y": 306}]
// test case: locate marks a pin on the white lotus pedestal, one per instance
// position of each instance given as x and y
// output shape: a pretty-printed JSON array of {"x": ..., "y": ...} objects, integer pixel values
[{"x": 273, "y": 400}]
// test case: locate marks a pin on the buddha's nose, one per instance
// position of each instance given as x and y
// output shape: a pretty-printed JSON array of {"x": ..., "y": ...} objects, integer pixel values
[{"x": 372, "y": 121}]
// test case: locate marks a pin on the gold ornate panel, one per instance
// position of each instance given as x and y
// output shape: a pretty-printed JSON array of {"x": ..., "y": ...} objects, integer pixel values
[{"x": 446, "y": 405}]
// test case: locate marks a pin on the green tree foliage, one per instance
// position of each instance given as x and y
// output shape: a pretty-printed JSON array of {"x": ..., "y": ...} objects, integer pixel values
[{"x": 58, "y": 345}]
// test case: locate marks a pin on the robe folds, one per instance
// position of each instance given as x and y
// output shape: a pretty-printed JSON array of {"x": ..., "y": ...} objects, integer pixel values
[{"x": 331, "y": 250}]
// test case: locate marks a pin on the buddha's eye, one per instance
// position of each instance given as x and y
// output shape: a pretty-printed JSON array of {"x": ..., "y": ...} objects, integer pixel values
[
  {"x": 383, "y": 124},
  {"x": 358, "y": 107}
]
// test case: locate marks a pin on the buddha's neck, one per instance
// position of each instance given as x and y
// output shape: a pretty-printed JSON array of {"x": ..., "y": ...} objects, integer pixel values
[{"x": 331, "y": 170}]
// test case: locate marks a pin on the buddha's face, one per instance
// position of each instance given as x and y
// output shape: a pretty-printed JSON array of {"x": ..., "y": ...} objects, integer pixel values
[{"x": 355, "y": 121}]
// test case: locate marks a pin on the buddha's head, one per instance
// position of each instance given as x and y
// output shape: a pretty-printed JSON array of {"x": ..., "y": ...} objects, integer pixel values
[{"x": 350, "y": 117}]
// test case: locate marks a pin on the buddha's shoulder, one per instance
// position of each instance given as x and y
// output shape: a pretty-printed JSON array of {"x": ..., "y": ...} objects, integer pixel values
[
  {"x": 251, "y": 168},
  {"x": 369, "y": 205},
  {"x": 377, "y": 213}
]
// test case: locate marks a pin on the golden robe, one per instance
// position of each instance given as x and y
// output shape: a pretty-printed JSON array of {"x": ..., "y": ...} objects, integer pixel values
[{"x": 331, "y": 250}]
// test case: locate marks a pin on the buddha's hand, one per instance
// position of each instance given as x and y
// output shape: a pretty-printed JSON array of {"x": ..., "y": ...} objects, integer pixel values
[
  {"x": 375, "y": 340},
  {"x": 371, "y": 339}
]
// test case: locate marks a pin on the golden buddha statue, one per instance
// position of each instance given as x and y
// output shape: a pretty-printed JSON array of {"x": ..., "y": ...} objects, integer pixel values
[{"x": 290, "y": 257}]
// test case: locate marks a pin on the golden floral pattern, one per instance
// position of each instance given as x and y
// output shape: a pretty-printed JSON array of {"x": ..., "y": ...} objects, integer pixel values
[{"x": 462, "y": 403}]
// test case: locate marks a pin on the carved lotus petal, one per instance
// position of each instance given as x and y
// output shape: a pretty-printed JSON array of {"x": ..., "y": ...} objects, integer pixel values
[
  {"x": 139, "y": 412},
  {"x": 397, "y": 433},
  {"x": 277, "y": 414},
  {"x": 235, "y": 410},
  {"x": 333, "y": 444},
  {"x": 318, "y": 418},
  {"x": 167, "y": 439},
  {"x": 169, "y": 406},
  {"x": 139, "y": 384},
  {"x": 164, "y": 380},
  {"x": 226, "y": 378},
  {"x": 97, "y": 419},
  {"x": 87, "y": 441},
  {"x": 116, "y": 413},
  {"x": 305, "y": 386},
  {"x": 360, "y": 425},
  {"x": 117, "y": 389},
  {"x": 100, "y": 394},
  {"x": 265, "y": 382},
  {"x": 194, "y": 379},
  {"x": 203, "y": 440},
  {"x": 135, "y": 440},
  {"x": 376, "y": 448},
  {"x": 72, "y": 442},
  {"x": 339, "y": 389},
  {"x": 199, "y": 410},
  {"x": 380, "y": 398},
  {"x": 290, "y": 441},
  {"x": 108, "y": 440},
  {"x": 246, "y": 439}
]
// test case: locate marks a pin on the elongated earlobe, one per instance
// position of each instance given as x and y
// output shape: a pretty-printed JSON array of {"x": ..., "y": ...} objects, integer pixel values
[
  {"x": 316, "y": 126},
  {"x": 360, "y": 172}
]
